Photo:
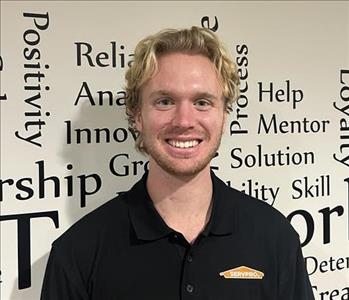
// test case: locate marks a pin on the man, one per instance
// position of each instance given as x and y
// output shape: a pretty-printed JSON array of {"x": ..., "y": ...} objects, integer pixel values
[{"x": 180, "y": 232}]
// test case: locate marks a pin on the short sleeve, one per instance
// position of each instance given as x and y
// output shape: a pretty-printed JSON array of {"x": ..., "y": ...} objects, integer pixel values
[
  {"x": 62, "y": 279},
  {"x": 294, "y": 281}
]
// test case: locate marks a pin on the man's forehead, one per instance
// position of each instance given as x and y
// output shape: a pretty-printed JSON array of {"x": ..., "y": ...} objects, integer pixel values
[{"x": 192, "y": 69}]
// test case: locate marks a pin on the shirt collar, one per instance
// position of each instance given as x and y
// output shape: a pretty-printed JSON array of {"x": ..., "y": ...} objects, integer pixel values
[
  {"x": 224, "y": 216},
  {"x": 149, "y": 225},
  {"x": 146, "y": 221}
]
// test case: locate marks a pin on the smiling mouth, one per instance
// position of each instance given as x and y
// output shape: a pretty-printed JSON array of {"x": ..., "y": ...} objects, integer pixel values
[{"x": 183, "y": 144}]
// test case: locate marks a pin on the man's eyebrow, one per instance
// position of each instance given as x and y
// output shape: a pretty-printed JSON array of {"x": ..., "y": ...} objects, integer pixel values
[
  {"x": 160, "y": 93},
  {"x": 205, "y": 95}
]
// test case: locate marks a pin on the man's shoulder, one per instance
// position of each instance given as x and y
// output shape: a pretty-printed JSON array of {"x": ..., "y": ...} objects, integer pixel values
[
  {"x": 255, "y": 214},
  {"x": 257, "y": 208},
  {"x": 100, "y": 223}
]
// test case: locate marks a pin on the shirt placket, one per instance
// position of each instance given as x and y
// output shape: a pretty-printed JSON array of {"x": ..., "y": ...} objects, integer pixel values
[{"x": 189, "y": 288}]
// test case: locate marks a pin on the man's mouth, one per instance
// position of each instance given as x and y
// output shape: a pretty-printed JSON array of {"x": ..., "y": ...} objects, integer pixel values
[{"x": 183, "y": 144}]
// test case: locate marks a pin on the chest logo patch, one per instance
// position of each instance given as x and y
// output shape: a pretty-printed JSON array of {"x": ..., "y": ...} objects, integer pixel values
[{"x": 242, "y": 273}]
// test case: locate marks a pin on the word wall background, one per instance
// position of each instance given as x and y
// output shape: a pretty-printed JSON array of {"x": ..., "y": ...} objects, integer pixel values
[{"x": 66, "y": 147}]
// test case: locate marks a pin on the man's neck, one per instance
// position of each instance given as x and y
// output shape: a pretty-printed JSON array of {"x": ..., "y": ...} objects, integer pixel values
[{"x": 184, "y": 203}]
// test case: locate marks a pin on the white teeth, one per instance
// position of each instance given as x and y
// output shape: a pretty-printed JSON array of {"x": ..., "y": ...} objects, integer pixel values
[{"x": 186, "y": 144}]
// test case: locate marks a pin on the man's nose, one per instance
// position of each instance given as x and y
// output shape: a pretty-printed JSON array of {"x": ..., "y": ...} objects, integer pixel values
[{"x": 184, "y": 115}]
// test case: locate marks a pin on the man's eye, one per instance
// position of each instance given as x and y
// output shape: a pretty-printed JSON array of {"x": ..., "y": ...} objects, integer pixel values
[
  {"x": 202, "y": 104},
  {"x": 163, "y": 102}
]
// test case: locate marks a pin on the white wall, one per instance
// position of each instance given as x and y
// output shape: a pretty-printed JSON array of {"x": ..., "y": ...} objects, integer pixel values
[{"x": 300, "y": 49}]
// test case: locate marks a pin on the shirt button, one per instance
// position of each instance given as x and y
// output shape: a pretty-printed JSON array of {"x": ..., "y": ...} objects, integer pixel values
[
  {"x": 189, "y": 288},
  {"x": 189, "y": 258}
]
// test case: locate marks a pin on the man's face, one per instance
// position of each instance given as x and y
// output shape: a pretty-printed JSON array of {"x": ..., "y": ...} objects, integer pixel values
[{"x": 182, "y": 114}]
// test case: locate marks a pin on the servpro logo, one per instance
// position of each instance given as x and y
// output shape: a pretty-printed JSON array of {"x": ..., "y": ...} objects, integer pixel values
[{"x": 242, "y": 273}]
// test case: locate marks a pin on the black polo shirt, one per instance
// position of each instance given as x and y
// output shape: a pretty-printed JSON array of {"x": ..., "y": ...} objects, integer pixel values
[{"x": 124, "y": 250}]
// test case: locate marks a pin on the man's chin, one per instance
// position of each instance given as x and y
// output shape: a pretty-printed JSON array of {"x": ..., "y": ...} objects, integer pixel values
[
  {"x": 183, "y": 170},
  {"x": 180, "y": 167}
]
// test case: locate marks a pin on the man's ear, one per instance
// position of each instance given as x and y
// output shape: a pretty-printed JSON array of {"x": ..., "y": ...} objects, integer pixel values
[
  {"x": 138, "y": 120},
  {"x": 225, "y": 117}
]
